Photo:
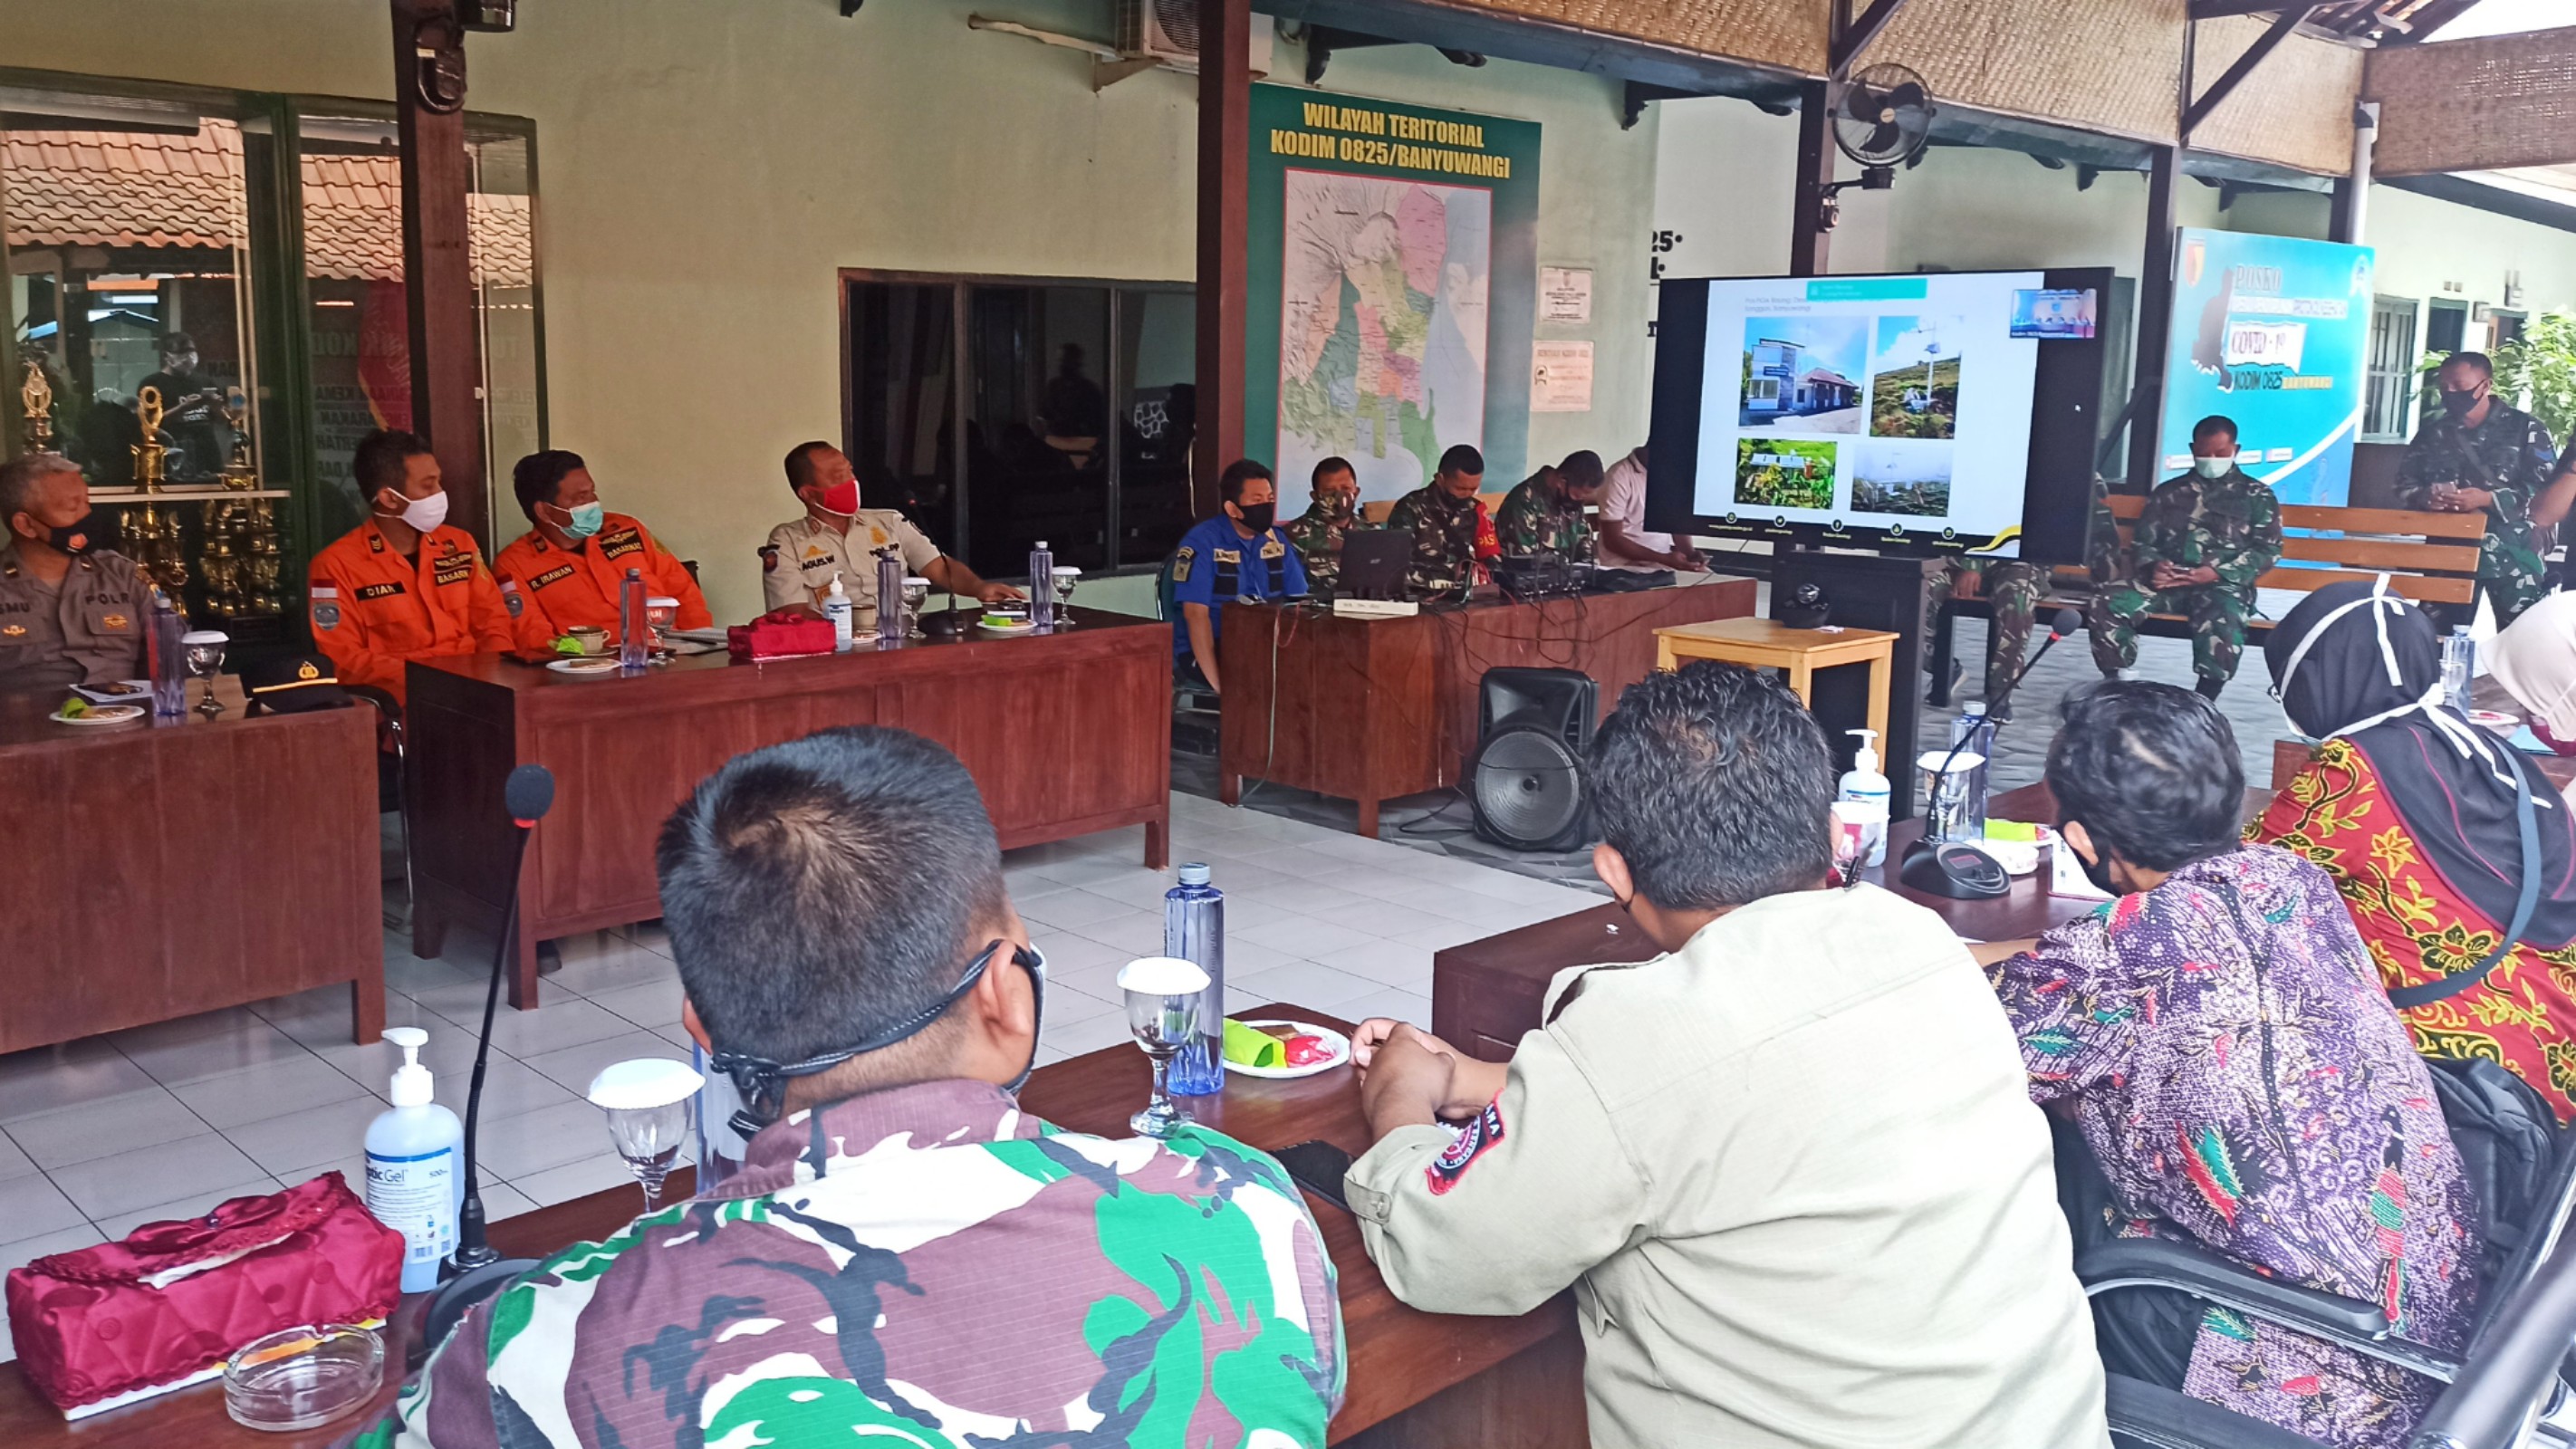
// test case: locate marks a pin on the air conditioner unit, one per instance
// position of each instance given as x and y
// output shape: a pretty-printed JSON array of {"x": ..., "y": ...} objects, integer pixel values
[{"x": 1167, "y": 32}]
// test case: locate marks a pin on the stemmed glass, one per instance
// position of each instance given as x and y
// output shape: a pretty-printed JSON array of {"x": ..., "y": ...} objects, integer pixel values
[
  {"x": 205, "y": 656},
  {"x": 915, "y": 590},
  {"x": 1066, "y": 576},
  {"x": 1163, "y": 1012},
  {"x": 647, "y": 1101}
]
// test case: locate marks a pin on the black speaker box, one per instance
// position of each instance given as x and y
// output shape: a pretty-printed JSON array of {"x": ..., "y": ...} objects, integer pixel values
[{"x": 1525, "y": 780}]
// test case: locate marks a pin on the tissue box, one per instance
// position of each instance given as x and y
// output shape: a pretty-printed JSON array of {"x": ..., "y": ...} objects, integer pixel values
[{"x": 783, "y": 635}]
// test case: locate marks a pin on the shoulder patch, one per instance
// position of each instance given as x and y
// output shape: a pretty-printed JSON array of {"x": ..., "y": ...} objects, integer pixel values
[
  {"x": 326, "y": 613},
  {"x": 511, "y": 599},
  {"x": 375, "y": 541},
  {"x": 621, "y": 543},
  {"x": 1482, "y": 1131},
  {"x": 1181, "y": 562},
  {"x": 1271, "y": 547},
  {"x": 769, "y": 558}
]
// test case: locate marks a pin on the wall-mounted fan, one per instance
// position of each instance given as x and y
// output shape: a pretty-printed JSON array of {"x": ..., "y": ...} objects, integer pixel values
[{"x": 1882, "y": 119}]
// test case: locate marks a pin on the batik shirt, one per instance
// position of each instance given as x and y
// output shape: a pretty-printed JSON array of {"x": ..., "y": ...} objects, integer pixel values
[
  {"x": 2509, "y": 455},
  {"x": 2420, "y": 930},
  {"x": 1538, "y": 520},
  {"x": 2248, "y": 1088},
  {"x": 2230, "y": 524},
  {"x": 1447, "y": 534},
  {"x": 924, "y": 1267}
]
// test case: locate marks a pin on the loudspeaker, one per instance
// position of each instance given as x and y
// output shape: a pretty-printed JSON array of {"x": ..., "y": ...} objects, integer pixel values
[{"x": 1525, "y": 781}]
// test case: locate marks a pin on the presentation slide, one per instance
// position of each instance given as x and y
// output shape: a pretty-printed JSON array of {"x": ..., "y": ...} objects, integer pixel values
[{"x": 1892, "y": 411}]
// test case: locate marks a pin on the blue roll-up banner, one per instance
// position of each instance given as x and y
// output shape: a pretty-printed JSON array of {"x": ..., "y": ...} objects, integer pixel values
[{"x": 2273, "y": 332}]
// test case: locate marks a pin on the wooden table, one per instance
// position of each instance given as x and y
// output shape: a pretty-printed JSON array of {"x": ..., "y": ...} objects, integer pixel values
[
  {"x": 179, "y": 868},
  {"x": 1376, "y": 709},
  {"x": 1486, "y": 994},
  {"x": 1066, "y": 734},
  {"x": 1416, "y": 1379},
  {"x": 1769, "y": 644}
]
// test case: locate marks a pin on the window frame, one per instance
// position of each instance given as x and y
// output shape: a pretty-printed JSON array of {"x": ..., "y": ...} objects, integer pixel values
[{"x": 2400, "y": 378}]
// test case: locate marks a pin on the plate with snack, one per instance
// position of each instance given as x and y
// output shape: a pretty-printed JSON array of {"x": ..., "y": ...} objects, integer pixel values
[
  {"x": 82, "y": 712},
  {"x": 586, "y": 666},
  {"x": 116, "y": 691},
  {"x": 1283, "y": 1049}
]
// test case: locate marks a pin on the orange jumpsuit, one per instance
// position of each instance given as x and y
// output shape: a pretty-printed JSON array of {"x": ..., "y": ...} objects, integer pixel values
[
  {"x": 373, "y": 609},
  {"x": 549, "y": 591}
]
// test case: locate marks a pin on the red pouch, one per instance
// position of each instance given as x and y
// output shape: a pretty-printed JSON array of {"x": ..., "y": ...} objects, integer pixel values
[
  {"x": 782, "y": 635},
  {"x": 172, "y": 1300}
]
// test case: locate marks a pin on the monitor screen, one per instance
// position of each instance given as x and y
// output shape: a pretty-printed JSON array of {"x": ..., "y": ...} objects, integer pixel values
[{"x": 1945, "y": 412}]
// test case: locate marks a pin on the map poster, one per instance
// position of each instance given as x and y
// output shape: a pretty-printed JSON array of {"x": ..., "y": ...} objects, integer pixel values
[
  {"x": 2273, "y": 332},
  {"x": 1394, "y": 288}
]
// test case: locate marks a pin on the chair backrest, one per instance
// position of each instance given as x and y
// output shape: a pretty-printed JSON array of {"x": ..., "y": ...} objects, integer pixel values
[
  {"x": 1163, "y": 609},
  {"x": 2545, "y": 1228},
  {"x": 2431, "y": 558},
  {"x": 1374, "y": 514}
]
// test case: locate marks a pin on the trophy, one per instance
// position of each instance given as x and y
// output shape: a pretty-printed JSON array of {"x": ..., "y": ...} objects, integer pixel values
[
  {"x": 153, "y": 533},
  {"x": 39, "y": 396},
  {"x": 150, "y": 457}
]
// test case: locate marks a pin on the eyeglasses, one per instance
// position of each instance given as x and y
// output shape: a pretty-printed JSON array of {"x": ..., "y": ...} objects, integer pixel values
[{"x": 762, "y": 1083}]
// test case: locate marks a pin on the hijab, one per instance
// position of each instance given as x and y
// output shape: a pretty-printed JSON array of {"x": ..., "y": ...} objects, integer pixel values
[
  {"x": 2535, "y": 659},
  {"x": 2356, "y": 661}
]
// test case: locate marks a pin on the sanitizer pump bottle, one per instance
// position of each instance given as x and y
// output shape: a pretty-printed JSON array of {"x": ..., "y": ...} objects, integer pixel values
[
  {"x": 416, "y": 1167},
  {"x": 1863, "y": 784}
]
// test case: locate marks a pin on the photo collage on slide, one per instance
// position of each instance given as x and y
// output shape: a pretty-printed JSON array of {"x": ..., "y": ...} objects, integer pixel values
[{"x": 1849, "y": 414}]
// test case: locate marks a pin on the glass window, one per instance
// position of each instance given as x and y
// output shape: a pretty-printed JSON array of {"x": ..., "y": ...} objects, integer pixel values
[
  {"x": 902, "y": 397},
  {"x": 128, "y": 242},
  {"x": 1158, "y": 373},
  {"x": 2391, "y": 384},
  {"x": 1037, "y": 426}
]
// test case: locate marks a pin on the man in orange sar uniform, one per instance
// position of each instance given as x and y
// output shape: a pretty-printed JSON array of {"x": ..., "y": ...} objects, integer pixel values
[
  {"x": 402, "y": 585},
  {"x": 565, "y": 572}
]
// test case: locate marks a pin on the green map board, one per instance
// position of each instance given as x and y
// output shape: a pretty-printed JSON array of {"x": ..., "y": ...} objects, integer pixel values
[{"x": 1394, "y": 288}]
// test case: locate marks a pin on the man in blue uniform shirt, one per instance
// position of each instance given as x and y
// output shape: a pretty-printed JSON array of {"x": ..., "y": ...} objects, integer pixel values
[{"x": 1239, "y": 554}]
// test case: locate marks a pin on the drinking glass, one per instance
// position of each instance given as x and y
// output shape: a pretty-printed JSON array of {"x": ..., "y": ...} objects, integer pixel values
[
  {"x": 1066, "y": 576},
  {"x": 660, "y": 613},
  {"x": 915, "y": 590},
  {"x": 1163, "y": 1013},
  {"x": 204, "y": 652},
  {"x": 647, "y": 1101}
]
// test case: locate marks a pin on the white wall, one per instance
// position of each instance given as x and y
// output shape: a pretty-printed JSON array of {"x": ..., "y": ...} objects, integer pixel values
[{"x": 707, "y": 168}]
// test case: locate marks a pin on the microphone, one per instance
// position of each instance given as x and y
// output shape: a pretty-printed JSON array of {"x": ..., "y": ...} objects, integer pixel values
[
  {"x": 475, "y": 1271},
  {"x": 1965, "y": 872}
]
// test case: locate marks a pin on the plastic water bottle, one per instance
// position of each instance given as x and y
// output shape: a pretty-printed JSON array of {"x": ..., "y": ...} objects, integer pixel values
[
  {"x": 836, "y": 607},
  {"x": 1973, "y": 735},
  {"x": 169, "y": 660},
  {"x": 890, "y": 625},
  {"x": 1042, "y": 600},
  {"x": 416, "y": 1166},
  {"x": 2459, "y": 666},
  {"x": 1194, "y": 931},
  {"x": 634, "y": 650}
]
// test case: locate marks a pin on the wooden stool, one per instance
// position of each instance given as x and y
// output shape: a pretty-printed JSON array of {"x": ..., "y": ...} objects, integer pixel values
[{"x": 1764, "y": 644}]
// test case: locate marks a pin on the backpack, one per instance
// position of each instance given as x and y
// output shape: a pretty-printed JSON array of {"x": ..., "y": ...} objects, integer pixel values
[{"x": 2507, "y": 1136}]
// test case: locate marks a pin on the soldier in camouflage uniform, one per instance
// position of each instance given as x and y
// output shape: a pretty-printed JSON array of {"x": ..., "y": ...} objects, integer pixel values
[
  {"x": 2012, "y": 590},
  {"x": 2481, "y": 456},
  {"x": 1543, "y": 517},
  {"x": 907, "y": 1258},
  {"x": 1317, "y": 533},
  {"x": 2200, "y": 545},
  {"x": 1448, "y": 525}
]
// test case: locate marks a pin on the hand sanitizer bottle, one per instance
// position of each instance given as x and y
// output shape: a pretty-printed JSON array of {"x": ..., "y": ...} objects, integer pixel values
[
  {"x": 1862, "y": 784},
  {"x": 836, "y": 607},
  {"x": 416, "y": 1167}
]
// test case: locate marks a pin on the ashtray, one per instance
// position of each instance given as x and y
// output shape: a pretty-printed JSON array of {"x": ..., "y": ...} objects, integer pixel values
[{"x": 299, "y": 1378}]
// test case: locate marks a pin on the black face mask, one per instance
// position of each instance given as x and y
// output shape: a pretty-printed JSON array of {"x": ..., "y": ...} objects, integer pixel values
[
  {"x": 76, "y": 537},
  {"x": 2460, "y": 404},
  {"x": 1258, "y": 516},
  {"x": 2096, "y": 870}
]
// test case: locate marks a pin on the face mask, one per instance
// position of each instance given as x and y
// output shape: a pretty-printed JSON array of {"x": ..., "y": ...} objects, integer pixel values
[
  {"x": 2096, "y": 870},
  {"x": 1340, "y": 506},
  {"x": 586, "y": 519},
  {"x": 76, "y": 537},
  {"x": 841, "y": 498},
  {"x": 2213, "y": 467},
  {"x": 2459, "y": 404},
  {"x": 1258, "y": 516},
  {"x": 425, "y": 514}
]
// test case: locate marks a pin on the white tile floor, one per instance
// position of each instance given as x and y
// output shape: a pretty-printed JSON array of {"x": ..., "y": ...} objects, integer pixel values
[{"x": 102, "y": 1135}]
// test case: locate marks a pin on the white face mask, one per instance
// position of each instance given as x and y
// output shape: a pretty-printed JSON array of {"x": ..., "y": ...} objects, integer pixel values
[
  {"x": 426, "y": 514},
  {"x": 2213, "y": 467}
]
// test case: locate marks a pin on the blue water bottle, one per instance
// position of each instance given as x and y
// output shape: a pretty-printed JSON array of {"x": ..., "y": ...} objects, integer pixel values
[
  {"x": 1042, "y": 599},
  {"x": 634, "y": 651},
  {"x": 1194, "y": 930}
]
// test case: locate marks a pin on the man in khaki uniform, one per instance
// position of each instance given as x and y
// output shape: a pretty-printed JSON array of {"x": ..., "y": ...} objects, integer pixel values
[
  {"x": 837, "y": 539},
  {"x": 1790, "y": 1167},
  {"x": 70, "y": 612}
]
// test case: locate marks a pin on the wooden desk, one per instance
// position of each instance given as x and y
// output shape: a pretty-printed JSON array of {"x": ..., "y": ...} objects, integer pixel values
[
  {"x": 1416, "y": 1379},
  {"x": 1066, "y": 734},
  {"x": 1375, "y": 709},
  {"x": 186, "y": 867},
  {"x": 1769, "y": 644},
  {"x": 1486, "y": 994}
]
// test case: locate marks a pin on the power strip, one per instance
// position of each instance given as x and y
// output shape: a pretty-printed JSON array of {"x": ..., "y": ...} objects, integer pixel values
[{"x": 1374, "y": 609}]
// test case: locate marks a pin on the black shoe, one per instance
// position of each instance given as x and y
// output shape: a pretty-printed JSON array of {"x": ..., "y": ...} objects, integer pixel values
[{"x": 2209, "y": 688}]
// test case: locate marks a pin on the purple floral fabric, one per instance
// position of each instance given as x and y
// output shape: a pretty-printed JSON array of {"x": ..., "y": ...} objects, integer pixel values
[{"x": 2233, "y": 1061}]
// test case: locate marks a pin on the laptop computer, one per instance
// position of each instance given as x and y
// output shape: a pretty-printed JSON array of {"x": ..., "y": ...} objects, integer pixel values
[{"x": 1373, "y": 564}]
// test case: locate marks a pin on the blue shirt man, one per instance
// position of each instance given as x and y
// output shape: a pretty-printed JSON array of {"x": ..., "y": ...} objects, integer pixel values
[{"x": 1238, "y": 554}]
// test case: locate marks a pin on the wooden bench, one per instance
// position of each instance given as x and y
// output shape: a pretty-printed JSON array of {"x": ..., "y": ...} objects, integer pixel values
[{"x": 2431, "y": 558}]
